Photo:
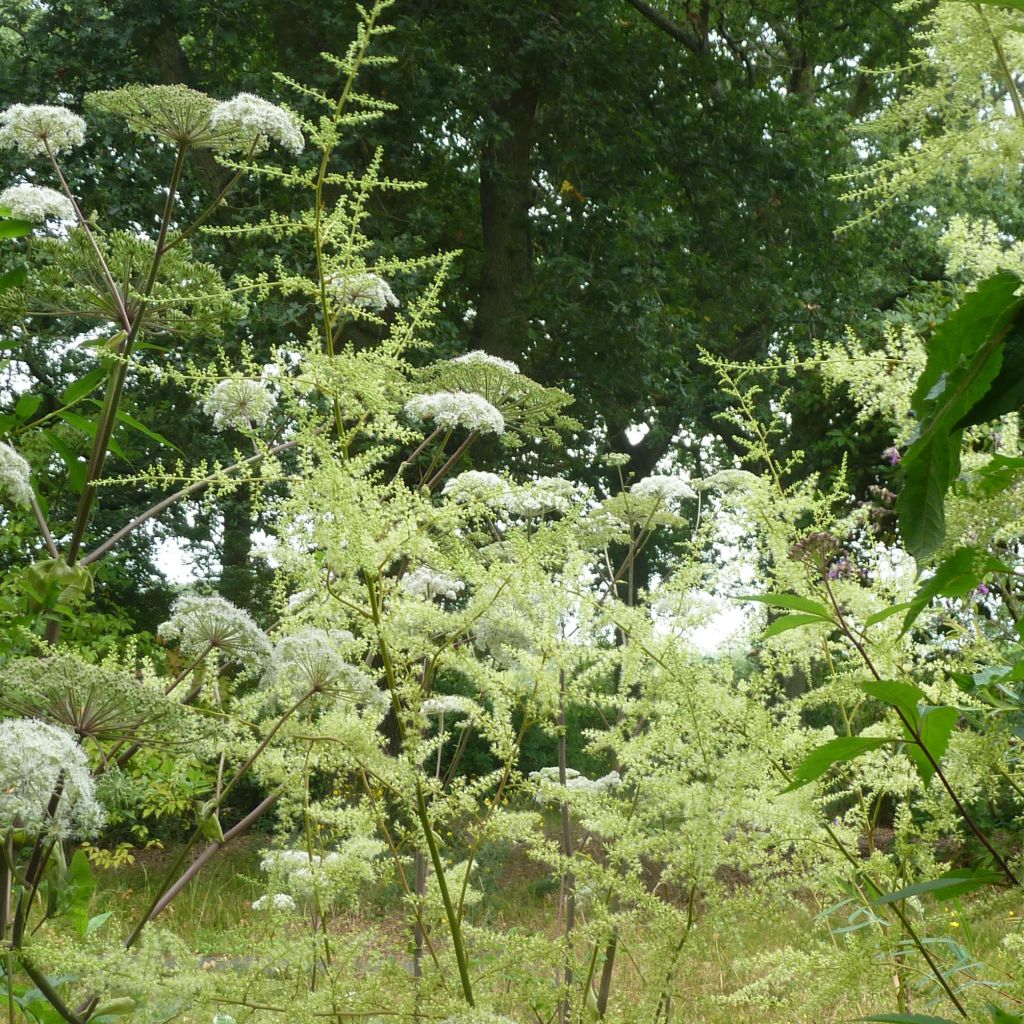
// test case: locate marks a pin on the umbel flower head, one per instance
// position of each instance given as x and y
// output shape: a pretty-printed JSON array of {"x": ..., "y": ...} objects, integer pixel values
[
  {"x": 451, "y": 409},
  {"x": 365, "y": 290},
  {"x": 484, "y": 359},
  {"x": 249, "y": 121},
  {"x": 34, "y": 759},
  {"x": 478, "y": 487},
  {"x": 665, "y": 488},
  {"x": 428, "y": 584},
  {"x": 240, "y": 403},
  {"x": 36, "y": 202},
  {"x": 36, "y": 128},
  {"x": 15, "y": 474},
  {"x": 208, "y": 623},
  {"x": 311, "y": 660}
]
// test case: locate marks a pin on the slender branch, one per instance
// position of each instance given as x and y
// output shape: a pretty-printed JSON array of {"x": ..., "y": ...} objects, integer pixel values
[
  {"x": 44, "y": 528},
  {"x": 678, "y": 32},
  {"x": 52, "y": 995},
  {"x": 185, "y": 492}
]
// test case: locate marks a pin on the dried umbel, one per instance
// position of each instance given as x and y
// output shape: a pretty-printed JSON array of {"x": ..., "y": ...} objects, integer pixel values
[
  {"x": 45, "y": 783},
  {"x": 38, "y": 128},
  {"x": 36, "y": 203}
]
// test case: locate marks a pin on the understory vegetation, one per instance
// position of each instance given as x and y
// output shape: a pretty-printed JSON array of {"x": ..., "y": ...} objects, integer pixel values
[{"x": 372, "y": 650}]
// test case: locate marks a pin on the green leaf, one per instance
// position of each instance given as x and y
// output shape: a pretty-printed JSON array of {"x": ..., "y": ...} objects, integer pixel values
[
  {"x": 936, "y": 726},
  {"x": 81, "y": 388},
  {"x": 1010, "y": 5},
  {"x": 904, "y": 697},
  {"x": 13, "y": 278},
  {"x": 1002, "y": 1017},
  {"x": 998, "y": 474},
  {"x": 88, "y": 427},
  {"x": 14, "y": 228},
  {"x": 76, "y": 892},
  {"x": 135, "y": 424},
  {"x": 886, "y": 613},
  {"x": 965, "y": 357},
  {"x": 957, "y": 576},
  {"x": 945, "y": 887},
  {"x": 819, "y": 760},
  {"x": 98, "y": 921},
  {"x": 26, "y": 406},
  {"x": 786, "y": 622},
  {"x": 1006, "y": 393},
  {"x": 794, "y": 601}
]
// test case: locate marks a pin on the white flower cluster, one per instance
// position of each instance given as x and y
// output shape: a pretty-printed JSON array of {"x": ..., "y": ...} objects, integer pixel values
[
  {"x": 548, "y": 786},
  {"x": 476, "y": 486},
  {"x": 203, "y": 623},
  {"x": 15, "y": 477},
  {"x": 429, "y": 584},
  {"x": 35, "y": 128},
  {"x": 311, "y": 659},
  {"x": 365, "y": 290},
  {"x": 543, "y": 495},
  {"x": 34, "y": 758},
  {"x": 451, "y": 409},
  {"x": 274, "y": 901},
  {"x": 256, "y": 122},
  {"x": 36, "y": 202},
  {"x": 728, "y": 481},
  {"x": 240, "y": 403},
  {"x": 485, "y": 359},
  {"x": 449, "y": 705},
  {"x": 501, "y": 636},
  {"x": 302, "y": 874},
  {"x": 664, "y": 488}
]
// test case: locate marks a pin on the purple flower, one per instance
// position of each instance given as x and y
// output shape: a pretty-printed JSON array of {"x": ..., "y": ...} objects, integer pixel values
[
  {"x": 892, "y": 456},
  {"x": 981, "y": 590}
]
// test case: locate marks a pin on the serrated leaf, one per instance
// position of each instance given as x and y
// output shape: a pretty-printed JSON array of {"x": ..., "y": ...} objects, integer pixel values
[
  {"x": 903, "y": 696},
  {"x": 794, "y": 601},
  {"x": 935, "y": 726},
  {"x": 26, "y": 406},
  {"x": 1006, "y": 392},
  {"x": 928, "y": 469},
  {"x": 837, "y": 751},
  {"x": 953, "y": 883},
  {"x": 787, "y": 622},
  {"x": 886, "y": 613},
  {"x": 957, "y": 576}
]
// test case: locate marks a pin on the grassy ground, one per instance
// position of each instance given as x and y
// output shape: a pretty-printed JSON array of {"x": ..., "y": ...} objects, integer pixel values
[{"x": 753, "y": 956}]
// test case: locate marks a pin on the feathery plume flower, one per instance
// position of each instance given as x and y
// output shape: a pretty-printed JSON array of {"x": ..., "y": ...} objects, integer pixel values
[
  {"x": 365, "y": 289},
  {"x": 34, "y": 758},
  {"x": 480, "y": 358},
  {"x": 240, "y": 403},
  {"x": 451, "y": 409},
  {"x": 249, "y": 120},
  {"x": 202, "y": 623},
  {"x": 429, "y": 584},
  {"x": 36, "y": 202},
  {"x": 664, "y": 488},
  {"x": 15, "y": 476},
  {"x": 34, "y": 128}
]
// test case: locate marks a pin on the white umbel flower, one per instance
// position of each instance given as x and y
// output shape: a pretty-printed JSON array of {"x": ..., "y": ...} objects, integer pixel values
[
  {"x": 311, "y": 659},
  {"x": 209, "y": 623},
  {"x": 239, "y": 403},
  {"x": 476, "y": 486},
  {"x": 664, "y": 488},
  {"x": 248, "y": 121},
  {"x": 34, "y": 757},
  {"x": 279, "y": 901},
  {"x": 35, "y": 128},
  {"x": 451, "y": 409},
  {"x": 36, "y": 202},
  {"x": 449, "y": 705},
  {"x": 15, "y": 478},
  {"x": 429, "y": 584},
  {"x": 543, "y": 495},
  {"x": 485, "y": 359},
  {"x": 365, "y": 290}
]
